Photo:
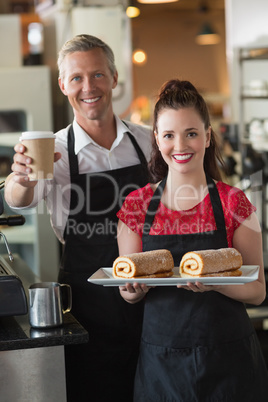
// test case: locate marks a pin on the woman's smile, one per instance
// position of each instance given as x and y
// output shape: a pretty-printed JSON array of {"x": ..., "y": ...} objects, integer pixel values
[{"x": 182, "y": 158}]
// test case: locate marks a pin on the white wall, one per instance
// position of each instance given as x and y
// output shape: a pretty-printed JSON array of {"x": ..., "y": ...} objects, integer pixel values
[
  {"x": 246, "y": 26},
  {"x": 10, "y": 39}
]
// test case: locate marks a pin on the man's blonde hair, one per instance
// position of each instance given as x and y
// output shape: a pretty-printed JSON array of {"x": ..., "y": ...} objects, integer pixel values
[{"x": 83, "y": 43}]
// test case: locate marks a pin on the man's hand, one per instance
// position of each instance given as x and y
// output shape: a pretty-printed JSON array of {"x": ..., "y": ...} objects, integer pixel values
[{"x": 20, "y": 166}]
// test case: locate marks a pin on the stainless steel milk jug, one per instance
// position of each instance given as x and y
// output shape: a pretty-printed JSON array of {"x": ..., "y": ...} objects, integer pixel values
[{"x": 45, "y": 304}]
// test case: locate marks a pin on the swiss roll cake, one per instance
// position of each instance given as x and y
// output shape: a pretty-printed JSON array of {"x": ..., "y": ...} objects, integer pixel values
[
  {"x": 147, "y": 264},
  {"x": 220, "y": 262}
]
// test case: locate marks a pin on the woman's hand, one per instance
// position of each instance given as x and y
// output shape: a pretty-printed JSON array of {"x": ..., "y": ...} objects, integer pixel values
[
  {"x": 199, "y": 287},
  {"x": 133, "y": 293}
]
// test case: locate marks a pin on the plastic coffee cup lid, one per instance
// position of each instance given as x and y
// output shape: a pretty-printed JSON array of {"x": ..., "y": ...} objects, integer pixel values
[{"x": 33, "y": 135}]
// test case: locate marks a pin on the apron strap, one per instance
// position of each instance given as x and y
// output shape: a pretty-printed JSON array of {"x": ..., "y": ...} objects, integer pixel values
[
  {"x": 73, "y": 158},
  {"x": 214, "y": 198},
  {"x": 216, "y": 205},
  {"x": 138, "y": 149},
  {"x": 153, "y": 206}
]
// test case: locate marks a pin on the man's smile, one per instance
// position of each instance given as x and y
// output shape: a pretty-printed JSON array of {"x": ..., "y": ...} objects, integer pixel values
[{"x": 91, "y": 100}]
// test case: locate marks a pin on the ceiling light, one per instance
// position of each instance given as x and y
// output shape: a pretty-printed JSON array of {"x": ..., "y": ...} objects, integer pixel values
[
  {"x": 207, "y": 36},
  {"x": 139, "y": 57},
  {"x": 156, "y": 1},
  {"x": 132, "y": 11}
]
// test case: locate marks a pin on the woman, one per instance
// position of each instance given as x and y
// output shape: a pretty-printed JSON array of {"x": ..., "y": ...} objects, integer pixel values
[{"x": 198, "y": 343}]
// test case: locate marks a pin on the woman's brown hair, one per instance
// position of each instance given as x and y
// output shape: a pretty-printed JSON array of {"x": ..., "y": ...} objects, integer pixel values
[{"x": 176, "y": 94}]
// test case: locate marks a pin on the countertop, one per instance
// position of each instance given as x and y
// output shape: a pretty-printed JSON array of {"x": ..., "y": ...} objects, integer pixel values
[{"x": 16, "y": 332}]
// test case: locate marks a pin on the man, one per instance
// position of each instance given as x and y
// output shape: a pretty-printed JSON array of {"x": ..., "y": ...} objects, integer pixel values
[{"x": 99, "y": 160}]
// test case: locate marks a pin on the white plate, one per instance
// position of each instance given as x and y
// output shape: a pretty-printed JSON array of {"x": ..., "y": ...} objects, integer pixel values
[{"x": 104, "y": 276}]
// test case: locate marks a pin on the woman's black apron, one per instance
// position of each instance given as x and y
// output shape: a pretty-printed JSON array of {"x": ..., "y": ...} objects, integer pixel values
[
  {"x": 196, "y": 347},
  {"x": 103, "y": 369}
]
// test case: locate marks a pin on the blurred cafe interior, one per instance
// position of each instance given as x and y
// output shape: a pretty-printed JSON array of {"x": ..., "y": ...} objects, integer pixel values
[{"x": 219, "y": 45}]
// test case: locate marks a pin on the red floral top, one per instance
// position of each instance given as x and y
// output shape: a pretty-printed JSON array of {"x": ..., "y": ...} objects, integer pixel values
[{"x": 236, "y": 208}]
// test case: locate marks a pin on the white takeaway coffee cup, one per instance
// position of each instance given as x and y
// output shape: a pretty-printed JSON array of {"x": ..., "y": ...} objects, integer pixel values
[{"x": 40, "y": 147}]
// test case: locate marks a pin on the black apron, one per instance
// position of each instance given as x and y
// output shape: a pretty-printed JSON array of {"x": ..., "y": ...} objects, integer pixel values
[
  {"x": 196, "y": 347},
  {"x": 103, "y": 369}
]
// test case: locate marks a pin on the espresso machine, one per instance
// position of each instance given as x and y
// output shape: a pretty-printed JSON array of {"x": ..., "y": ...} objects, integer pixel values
[{"x": 13, "y": 299}]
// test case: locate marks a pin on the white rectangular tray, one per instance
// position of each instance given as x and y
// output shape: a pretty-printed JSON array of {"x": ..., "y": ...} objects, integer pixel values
[{"x": 104, "y": 276}]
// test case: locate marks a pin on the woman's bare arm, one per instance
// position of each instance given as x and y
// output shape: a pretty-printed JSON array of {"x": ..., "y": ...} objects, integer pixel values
[
  {"x": 130, "y": 242},
  {"x": 248, "y": 241}
]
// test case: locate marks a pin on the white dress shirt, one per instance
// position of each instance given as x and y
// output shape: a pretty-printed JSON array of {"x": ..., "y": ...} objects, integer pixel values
[{"x": 91, "y": 158}]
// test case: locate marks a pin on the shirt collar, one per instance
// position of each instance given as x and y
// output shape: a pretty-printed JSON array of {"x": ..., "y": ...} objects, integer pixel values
[
  {"x": 121, "y": 129},
  {"x": 82, "y": 139}
]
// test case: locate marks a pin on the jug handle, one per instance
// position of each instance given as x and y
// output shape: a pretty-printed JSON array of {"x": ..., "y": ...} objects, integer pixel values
[{"x": 69, "y": 296}]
